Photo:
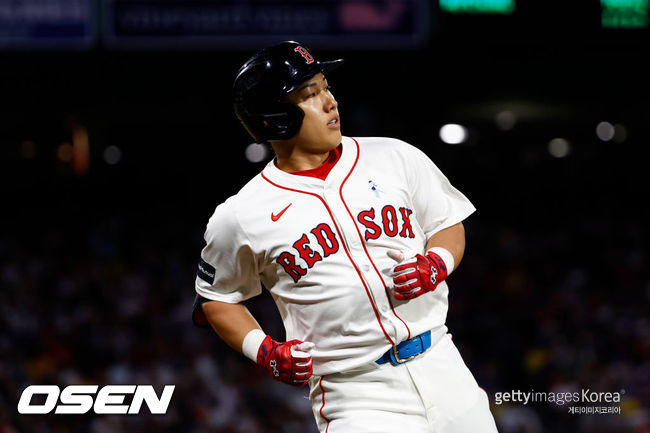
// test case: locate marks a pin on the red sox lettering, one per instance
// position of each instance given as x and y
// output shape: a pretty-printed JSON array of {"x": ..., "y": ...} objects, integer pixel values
[
  {"x": 391, "y": 224},
  {"x": 325, "y": 238}
]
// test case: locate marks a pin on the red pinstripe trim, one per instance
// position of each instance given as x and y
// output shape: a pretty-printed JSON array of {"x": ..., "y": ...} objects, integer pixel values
[
  {"x": 322, "y": 391},
  {"x": 374, "y": 308},
  {"x": 363, "y": 243}
]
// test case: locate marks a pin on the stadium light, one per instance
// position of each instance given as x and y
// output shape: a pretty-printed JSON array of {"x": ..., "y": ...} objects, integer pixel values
[
  {"x": 453, "y": 133},
  {"x": 256, "y": 152},
  {"x": 559, "y": 147},
  {"x": 605, "y": 131},
  {"x": 112, "y": 155},
  {"x": 620, "y": 133},
  {"x": 505, "y": 120}
]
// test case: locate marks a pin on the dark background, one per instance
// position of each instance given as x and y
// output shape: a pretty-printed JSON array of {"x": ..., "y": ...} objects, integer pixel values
[{"x": 97, "y": 267}]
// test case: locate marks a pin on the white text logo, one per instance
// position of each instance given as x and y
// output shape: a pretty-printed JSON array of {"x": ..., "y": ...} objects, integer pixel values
[{"x": 79, "y": 399}]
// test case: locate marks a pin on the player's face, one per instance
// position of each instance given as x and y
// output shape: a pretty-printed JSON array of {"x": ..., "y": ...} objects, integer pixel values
[{"x": 321, "y": 127}]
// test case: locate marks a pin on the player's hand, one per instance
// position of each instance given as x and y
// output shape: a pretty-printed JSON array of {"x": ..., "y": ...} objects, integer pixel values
[
  {"x": 289, "y": 362},
  {"x": 416, "y": 275}
]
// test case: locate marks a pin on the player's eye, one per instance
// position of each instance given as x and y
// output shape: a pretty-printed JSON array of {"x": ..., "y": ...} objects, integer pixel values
[{"x": 315, "y": 92}]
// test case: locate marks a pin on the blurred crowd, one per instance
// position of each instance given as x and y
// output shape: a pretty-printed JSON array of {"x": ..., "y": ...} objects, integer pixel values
[
  {"x": 90, "y": 307},
  {"x": 106, "y": 299},
  {"x": 559, "y": 311}
]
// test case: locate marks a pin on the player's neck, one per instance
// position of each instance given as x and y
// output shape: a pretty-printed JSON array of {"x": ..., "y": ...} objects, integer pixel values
[{"x": 298, "y": 160}]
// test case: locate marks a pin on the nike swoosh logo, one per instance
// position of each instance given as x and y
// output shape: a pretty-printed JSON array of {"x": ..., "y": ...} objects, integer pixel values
[{"x": 275, "y": 217}]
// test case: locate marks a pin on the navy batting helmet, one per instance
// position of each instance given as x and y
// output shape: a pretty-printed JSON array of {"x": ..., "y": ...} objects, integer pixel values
[{"x": 262, "y": 84}]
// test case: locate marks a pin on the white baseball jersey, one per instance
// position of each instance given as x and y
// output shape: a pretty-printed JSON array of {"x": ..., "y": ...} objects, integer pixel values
[{"x": 319, "y": 247}]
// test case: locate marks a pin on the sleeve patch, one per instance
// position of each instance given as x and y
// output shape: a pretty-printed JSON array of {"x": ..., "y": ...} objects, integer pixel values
[{"x": 205, "y": 271}]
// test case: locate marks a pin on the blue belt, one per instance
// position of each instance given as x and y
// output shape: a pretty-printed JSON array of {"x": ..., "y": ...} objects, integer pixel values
[{"x": 407, "y": 350}]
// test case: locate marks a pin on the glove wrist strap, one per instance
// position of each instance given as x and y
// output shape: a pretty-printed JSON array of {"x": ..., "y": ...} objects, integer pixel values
[
  {"x": 252, "y": 342},
  {"x": 446, "y": 257}
]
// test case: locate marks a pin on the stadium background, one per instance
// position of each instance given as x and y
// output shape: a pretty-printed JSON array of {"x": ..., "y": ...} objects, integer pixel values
[{"x": 114, "y": 154}]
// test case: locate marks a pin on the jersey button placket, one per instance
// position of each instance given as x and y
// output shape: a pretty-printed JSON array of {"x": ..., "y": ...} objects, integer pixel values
[
  {"x": 350, "y": 237},
  {"x": 366, "y": 268}
]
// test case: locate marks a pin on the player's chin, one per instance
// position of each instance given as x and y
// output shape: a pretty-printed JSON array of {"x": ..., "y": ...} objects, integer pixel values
[{"x": 333, "y": 138}]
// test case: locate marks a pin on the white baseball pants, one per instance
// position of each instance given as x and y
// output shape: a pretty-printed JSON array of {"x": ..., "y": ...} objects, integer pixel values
[{"x": 434, "y": 393}]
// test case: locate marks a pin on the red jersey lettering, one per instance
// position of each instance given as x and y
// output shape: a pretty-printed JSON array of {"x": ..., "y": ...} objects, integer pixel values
[
  {"x": 407, "y": 230},
  {"x": 288, "y": 262},
  {"x": 389, "y": 218},
  {"x": 306, "y": 253},
  {"x": 326, "y": 239},
  {"x": 373, "y": 231}
]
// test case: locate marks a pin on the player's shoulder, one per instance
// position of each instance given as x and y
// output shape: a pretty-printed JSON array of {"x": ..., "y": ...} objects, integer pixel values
[
  {"x": 388, "y": 142},
  {"x": 227, "y": 213},
  {"x": 384, "y": 143},
  {"x": 393, "y": 148}
]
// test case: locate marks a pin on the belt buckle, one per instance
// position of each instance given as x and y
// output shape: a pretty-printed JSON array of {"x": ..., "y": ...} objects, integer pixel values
[{"x": 396, "y": 360}]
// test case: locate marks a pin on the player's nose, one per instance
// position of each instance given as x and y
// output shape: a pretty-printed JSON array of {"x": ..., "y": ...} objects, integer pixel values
[{"x": 329, "y": 103}]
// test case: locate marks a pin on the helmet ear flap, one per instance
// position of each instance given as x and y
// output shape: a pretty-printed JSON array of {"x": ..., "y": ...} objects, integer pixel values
[{"x": 283, "y": 124}]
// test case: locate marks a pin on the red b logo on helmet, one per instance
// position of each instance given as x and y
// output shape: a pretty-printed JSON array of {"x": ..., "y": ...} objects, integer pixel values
[{"x": 303, "y": 52}]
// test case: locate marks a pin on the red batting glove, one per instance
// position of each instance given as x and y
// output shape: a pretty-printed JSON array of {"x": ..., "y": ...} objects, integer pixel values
[
  {"x": 278, "y": 360},
  {"x": 419, "y": 274}
]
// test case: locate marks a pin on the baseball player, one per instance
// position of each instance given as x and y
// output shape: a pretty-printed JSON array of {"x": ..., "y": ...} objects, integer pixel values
[{"x": 354, "y": 238}]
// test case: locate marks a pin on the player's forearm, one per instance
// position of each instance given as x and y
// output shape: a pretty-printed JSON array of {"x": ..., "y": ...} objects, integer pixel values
[
  {"x": 232, "y": 322},
  {"x": 451, "y": 239},
  {"x": 239, "y": 329}
]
